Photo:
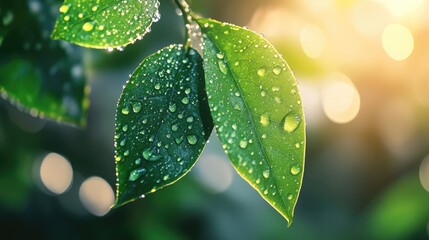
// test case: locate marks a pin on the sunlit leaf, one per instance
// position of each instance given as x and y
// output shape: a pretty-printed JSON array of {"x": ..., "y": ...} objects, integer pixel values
[
  {"x": 40, "y": 76},
  {"x": 257, "y": 111},
  {"x": 162, "y": 122},
  {"x": 105, "y": 24}
]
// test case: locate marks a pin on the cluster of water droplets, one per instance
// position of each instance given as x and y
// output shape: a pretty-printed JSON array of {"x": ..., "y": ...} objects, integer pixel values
[
  {"x": 262, "y": 106},
  {"x": 111, "y": 26},
  {"x": 159, "y": 130}
]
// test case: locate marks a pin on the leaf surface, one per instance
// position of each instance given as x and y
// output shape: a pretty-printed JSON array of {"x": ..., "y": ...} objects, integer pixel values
[
  {"x": 40, "y": 76},
  {"x": 162, "y": 122},
  {"x": 105, "y": 24},
  {"x": 257, "y": 111}
]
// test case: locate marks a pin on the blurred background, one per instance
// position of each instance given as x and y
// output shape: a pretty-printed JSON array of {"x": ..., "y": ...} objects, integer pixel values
[{"x": 363, "y": 72}]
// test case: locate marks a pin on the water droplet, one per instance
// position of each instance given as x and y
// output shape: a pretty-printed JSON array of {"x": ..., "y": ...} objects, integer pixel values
[
  {"x": 126, "y": 153},
  {"x": 222, "y": 67},
  {"x": 290, "y": 197},
  {"x": 266, "y": 173},
  {"x": 190, "y": 119},
  {"x": 261, "y": 72},
  {"x": 192, "y": 139},
  {"x": 237, "y": 64},
  {"x": 178, "y": 140},
  {"x": 172, "y": 108},
  {"x": 295, "y": 170},
  {"x": 138, "y": 161},
  {"x": 125, "y": 110},
  {"x": 88, "y": 26},
  {"x": 265, "y": 121},
  {"x": 188, "y": 90},
  {"x": 275, "y": 89},
  {"x": 185, "y": 100},
  {"x": 125, "y": 128},
  {"x": 94, "y": 8},
  {"x": 266, "y": 191},
  {"x": 258, "y": 181},
  {"x": 291, "y": 122},
  {"x": 136, "y": 174},
  {"x": 297, "y": 145},
  {"x": 264, "y": 136},
  {"x": 277, "y": 70},
  {"x": 64, "y": 8},
  {"x": 123, "y": 142},
  {"x": 149, "y": 156},
  {"x": 166, "y": 177},
  {"x": 220, "y": 56},
  {"x": 175, "y": 127},
  {"x": 66, "y": 18},
  {"x": 263, "y": 93},
  {"x": 243, "y": 144},
  {"x": 137, "y": 107},
  {"x": 157, "y": 86}
]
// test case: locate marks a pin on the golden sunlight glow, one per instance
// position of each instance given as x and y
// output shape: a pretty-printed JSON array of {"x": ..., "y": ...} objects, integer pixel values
[
  {"x": 56, "y": 173},
  {"x": 398, "y": 42},
  {"x": 341, "y": 100},
  {"x": 313, "y": 40},
  {"x": 400, "y": 8},
  {"x": 424, "y": 173},
  {"x": 96, "y": 196}
]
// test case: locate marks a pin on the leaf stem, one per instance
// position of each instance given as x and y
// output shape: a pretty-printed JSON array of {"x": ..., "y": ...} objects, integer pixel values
[{"x": 188, "y": 18}]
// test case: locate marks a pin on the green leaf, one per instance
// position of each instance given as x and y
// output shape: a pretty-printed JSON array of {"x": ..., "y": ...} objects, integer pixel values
[
  {"x": 162, "y": 122},
  {"x": 257, "y": 111},
  {"x": 105, "y": 24},
  {"x": 40, "y": 76}
]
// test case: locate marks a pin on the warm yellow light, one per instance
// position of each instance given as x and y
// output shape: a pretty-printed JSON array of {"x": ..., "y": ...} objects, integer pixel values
[
  {"x": 96, "y": 196},
  {"x": 341, "y": 100},
  {"x": 398, "y": 42},
  {"x": 400, "y": 8},
  {"x": 424, "y": 173},
  {"x": 56, "y": 173},
  {"x": 313, "y": 40}
]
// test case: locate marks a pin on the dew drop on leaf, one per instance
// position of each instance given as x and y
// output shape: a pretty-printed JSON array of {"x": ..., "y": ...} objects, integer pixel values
[
  {"x": 88, "y": 26},
  {"x": 261, "y": 72},
  {"x": 125, "y": 110},
  {"x": 291, "y": 122},
  {"x": 137, "y": 107},
  {"x": 277, "y": 70},
  {"x": 265, "y": 121},
  {"x": 295, "y": 170},
  {"x": 266, "y": 173},
  {"x": 192, "y": 139},
  {"x": 222, "y": 67},
  {"x": 243, "y": 144},
  {"x": 136, "y": 174},
  {"x": 64, "y": 8}
]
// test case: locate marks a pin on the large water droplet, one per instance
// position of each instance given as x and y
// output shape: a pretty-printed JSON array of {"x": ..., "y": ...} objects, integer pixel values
[
  {"x": 265, "y": 121},
  {"x": 88, "y": 26},
  {"x": 295, "y": 170},
  {"x": 125, "y": 110},
  {"x": 291, "y": 122},
  {"x": 137, "y": 107},
  {"x": 243, "y": 144},
  {"x": 262, "y": 71},
  {"x": 149, "y": 156},
  {"x": 277, "y": 70},
  {"x": 266, "y": 173},
  {"x": 136, "y": 174},
  {"x": 172, "y": 108},
  {"x": 222, "y": 67},
  {"x": 175, "y": 127},
  {"x": 64, "y": 8},
  {"x": 220, "y": 56},
  {"x": 185, "y": 100},
  {"x": 192, "y": 139}
]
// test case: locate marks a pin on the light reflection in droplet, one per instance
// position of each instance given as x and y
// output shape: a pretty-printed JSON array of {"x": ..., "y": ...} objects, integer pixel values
[
  {"x": 56, "y": 173},
  {"x": 96, "y": 196}
]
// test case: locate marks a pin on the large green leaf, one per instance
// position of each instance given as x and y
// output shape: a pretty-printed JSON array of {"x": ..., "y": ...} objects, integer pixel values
[
  {"x": 257, "y": 111},
  {"x": 105, "y": 24},
  {"x": 162, "y": 122},
  {"x": 43, "y": 77}
]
